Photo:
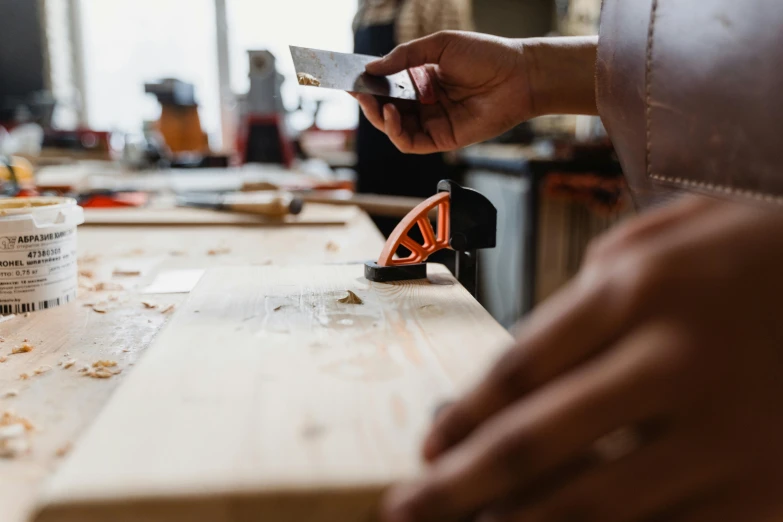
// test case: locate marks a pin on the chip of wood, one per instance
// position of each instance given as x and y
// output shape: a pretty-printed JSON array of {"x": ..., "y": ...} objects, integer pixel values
[
  {"x": 63, "y": 450},
  {"x": 168, "y": 309},
  {"x": 41, "y": 370},
  {"x": 126, "y": 273},
  {"x": 308, "y": 80},
  {"x": 3, "y": 358},
  {"x": 102, "y": 373},
  {"x": 69, "y": 363},
  {"x": 24, "y": 376},
  {"x": 23, "y": 348},
  {"x": 10, "y": 394},
  {"x": 100, "y": 309},
  {"x": 150, "y": 305},
  {"x": 85, "y": 272},
  {"x": 218, "y": 251},
  {"x": 331, "y": 246},
  {"x": 104, "y": 364},
  {"x": 108, "y": 286},
  {"x": 351, "y": 299}
]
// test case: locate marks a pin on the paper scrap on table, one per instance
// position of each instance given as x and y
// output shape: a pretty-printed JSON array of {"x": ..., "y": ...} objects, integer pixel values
[{"x": 174, "y": 282}]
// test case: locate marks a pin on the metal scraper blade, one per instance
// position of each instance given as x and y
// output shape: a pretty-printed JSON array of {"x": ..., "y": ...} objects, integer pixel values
[{"x": 346, "y": 72}]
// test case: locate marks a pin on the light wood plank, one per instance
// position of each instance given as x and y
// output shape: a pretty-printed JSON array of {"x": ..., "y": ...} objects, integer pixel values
[
  {"x": 267, "y": 397},
  {"x": 62, "y": 403},
  {"x": 312, "y": 215}
]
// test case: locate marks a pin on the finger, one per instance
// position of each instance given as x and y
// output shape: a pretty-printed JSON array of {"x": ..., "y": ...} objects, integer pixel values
[
  {"x": 543, "y": 432},
  {"x": 371, "y": 109},
  {"x": 563, "y": 332},
  {"x": 426, "y": 50},
  {"x": 646, "y": 482}
]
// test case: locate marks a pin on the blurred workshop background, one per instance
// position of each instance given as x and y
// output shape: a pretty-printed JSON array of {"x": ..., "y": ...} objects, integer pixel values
[{"x": 106, "y": 90}]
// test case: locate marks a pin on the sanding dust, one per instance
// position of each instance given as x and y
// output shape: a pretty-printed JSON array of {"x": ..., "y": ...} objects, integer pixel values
[
  {"x": 63, "y": 450},
  {"x": 351, "y": 299},
  {"x": 14, "y": 435},
  {"x": 109, "y": 287},
  {"x": 101, "y": 370},
  {"x": 126, "y": 273},
  {"x": 308, "y": 79},
  {"x": 23, "y": 348}
]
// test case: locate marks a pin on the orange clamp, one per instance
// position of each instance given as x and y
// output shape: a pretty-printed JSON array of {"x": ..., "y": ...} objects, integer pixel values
[{"x": 433, "y": 242}]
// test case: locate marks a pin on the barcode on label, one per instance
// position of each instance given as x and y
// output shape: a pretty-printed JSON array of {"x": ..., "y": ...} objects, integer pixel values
[{"x": 23, "y": 308}]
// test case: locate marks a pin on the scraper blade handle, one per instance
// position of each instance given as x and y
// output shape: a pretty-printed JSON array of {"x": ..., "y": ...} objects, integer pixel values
[{"x": 423, "y": 84}]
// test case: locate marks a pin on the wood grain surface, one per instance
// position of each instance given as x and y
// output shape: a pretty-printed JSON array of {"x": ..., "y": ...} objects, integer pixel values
[
  {"x": 61, "y": 403},
  {"x": 267, "y": 398},
  {"x": 313, "y": 214}
]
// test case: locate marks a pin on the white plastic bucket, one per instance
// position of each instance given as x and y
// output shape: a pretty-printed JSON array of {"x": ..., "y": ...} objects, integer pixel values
[{"x": 38, "y": 259}]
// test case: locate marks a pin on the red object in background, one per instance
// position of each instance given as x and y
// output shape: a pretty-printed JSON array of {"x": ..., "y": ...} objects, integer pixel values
[
  {"x": 263, "y": 139},
  {"x": 116, "y": 200}
]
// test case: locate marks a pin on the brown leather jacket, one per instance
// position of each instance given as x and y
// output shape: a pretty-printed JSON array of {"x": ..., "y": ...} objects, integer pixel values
[{"x": 691, "y": 92}]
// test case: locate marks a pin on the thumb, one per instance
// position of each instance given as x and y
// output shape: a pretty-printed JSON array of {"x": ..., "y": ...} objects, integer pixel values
[{"x": 427, "y": 50}]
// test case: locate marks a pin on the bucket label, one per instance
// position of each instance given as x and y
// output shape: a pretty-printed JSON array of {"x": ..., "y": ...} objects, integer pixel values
[{"x": 37, "y": 271}]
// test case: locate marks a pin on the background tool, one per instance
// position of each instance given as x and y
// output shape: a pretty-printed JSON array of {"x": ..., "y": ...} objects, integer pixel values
[
  {"x": 346, "y": 72},
  {"x": 467, "y": 222},
  {"x": 269, "y": 204}
]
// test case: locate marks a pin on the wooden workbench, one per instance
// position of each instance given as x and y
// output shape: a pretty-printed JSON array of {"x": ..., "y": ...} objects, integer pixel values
[{"x": 62, "y": 403}]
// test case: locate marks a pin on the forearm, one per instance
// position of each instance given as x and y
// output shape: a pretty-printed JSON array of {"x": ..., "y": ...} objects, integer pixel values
[{"x": 561, "y": 72}]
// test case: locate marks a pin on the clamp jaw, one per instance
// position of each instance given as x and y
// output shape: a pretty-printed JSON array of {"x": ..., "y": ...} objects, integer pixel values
[{"x": 467, "y": 222}]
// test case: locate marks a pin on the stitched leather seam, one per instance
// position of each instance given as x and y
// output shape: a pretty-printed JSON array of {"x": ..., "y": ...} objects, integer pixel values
[
  {"x": 724, "y": 189},
  {"x": 648, "y": 81},
  {"x": 685, "y": 182}
]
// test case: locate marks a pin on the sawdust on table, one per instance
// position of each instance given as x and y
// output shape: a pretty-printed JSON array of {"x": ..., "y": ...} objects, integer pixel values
[
  {"x": 69, "y": 363},
  {"x": 9, "y": 394},
  {"x": 308, "y": 80},
  {"x": 63, "y": 450},
  {"x": 126, "y": 273},
  {"x": 3, "y": 358},
  {"x": 218, "y": 251},
  {"x": 24, "y": 376},
  {"x": 331, "y": 246},
  {"x": 168, "y": 309},
  {"x": 41, "y": 370},
  {"x": 25, "y": 347},
  {"x": 101, "y": 370},
  {"x": 14, "y": 435},
  {"x": 351, "y": 299},
  {"x": 150, "y": 305},
  {"x": 108, "y": 286}
]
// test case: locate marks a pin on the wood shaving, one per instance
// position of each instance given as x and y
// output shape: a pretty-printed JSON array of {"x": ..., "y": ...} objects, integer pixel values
[
  {"x": 84, "y": 369},
  {"x": 99, "y": 309},
  {"x": 42, "y": 370},
  {"x": 126, "y": 273},
  {"x": 150, "y": 305},
  {"x": 102, "y": 373},
  {"x": 331, "y": 246},
  {"x": 277, "y": 309},
  {"x": 69, "y": 363},
  {"x": 308, "y": 79},
  {"x": 218, "y": 251},
  {"x": 84, "y": 272},
  {"x": 23, "y": 348},
  {"x": 86, "y": 284},
  {"x": 351, "y": 299},
  {"x": 109, "y": 287},
  {"x": 3, "y": 358},
  {"x": 63, "y": 450},
  {"x": 168, "y": 309},
  {"x": 10, "y": 394},
  {"x": 104, "y": 364},
  {"x": 24, "y": 376},
  {"x": 89, "y": 258}
]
